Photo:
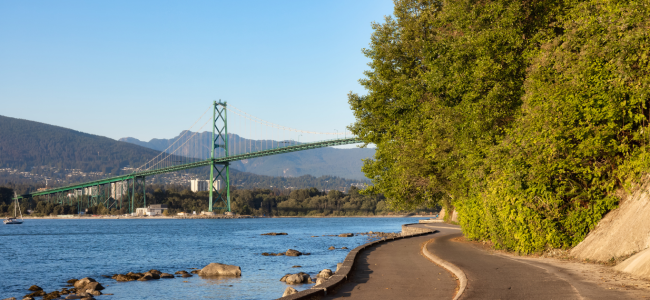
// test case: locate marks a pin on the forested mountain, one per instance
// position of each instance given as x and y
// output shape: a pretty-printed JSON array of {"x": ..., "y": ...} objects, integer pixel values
[
  {"x": 24, "y": 144},
  {"x": 345, "y": 163}
]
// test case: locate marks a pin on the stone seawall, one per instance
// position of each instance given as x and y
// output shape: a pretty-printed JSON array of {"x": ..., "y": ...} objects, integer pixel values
[{"x": 344, "y": 270}]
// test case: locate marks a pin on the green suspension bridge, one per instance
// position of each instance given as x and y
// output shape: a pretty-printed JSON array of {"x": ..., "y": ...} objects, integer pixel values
[{"x": 194, "y": 150}]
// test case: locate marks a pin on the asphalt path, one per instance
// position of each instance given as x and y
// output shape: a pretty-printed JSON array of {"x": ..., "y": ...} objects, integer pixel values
[
  {"x": 396, "y": 270},
  {"x": 492, "y": 276}
]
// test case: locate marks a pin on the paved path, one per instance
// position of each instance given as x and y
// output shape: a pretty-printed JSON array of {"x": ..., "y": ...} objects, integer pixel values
[
  {"x": 396, "y": 270},
  {"x": 491, "y": 276}
]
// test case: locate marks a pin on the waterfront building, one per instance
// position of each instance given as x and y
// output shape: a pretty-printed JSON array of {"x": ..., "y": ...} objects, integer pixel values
[{"x": 197, "y": 185}]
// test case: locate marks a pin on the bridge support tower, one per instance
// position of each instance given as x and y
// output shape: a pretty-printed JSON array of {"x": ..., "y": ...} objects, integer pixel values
[{"x": 219, "y": 172}]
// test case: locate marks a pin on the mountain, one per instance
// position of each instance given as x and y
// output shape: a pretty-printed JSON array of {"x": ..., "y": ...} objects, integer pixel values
[
  {"x": 344, "y": 163},
  {"x": 24, "y": 144}
]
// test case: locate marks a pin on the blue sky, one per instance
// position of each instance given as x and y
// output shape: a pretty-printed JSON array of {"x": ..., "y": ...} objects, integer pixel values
[{"x": 148, "y": 69}]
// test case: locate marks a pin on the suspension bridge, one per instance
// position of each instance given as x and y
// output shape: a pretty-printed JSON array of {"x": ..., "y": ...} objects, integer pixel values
[{"x": 192, "y": 149}]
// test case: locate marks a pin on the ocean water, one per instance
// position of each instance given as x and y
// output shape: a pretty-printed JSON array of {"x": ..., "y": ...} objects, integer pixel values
[{"x": 47, "y": 253}]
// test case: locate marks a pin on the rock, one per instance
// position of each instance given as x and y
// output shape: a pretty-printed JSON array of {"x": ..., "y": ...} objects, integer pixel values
[
  {"x": 146, "y": 277},
  {"x": 166, "y": 275},
  {"x": 267, "y": 254},
  {"x": 331, "y": 248},
  {"x": 26, "y": 298},
  {"x": 152, "y": 271},
  {"x": 181, "y": 272},
  {"x": 320, "y": 280},
  {"x": 52, "y": 295},
  {"x": 187, "y": 275},
  {"x": 344, "y": 248},
  {"x": 121, "y": 277},
  {"x": 370, "y": 232},
  {"x": 314, "y": 236},
  {"x": 88, "y": 298},
  {"x": 289, "y": 291},
  {"x": 195, "y": 271},
  {"x": 284, "y": 278},
  {"x": 36, "y": 294},
  {"x": 338, "y": 267},
  {"x": 306, "y": 253},
  {"x": 297, "y": 278},
  {"x": 275, "y": 233},
  {"x": 35, "y": 288},
  {"x": 217, "y": 269},
  {"x": 346, "y": 235},
  {"x": 135, "y": 275},
  {"x": 326, "y": 273},
  {"x": 14, "y": 298},
  {"x": 95, "y": 286},
  {"x": 297, "y": 267},
  {"x": 72, "y": 281},
  {"x": 292, "y": 252},
  {"x": 153, "y": 275},
  {"x": 73, "y": 296},
  {"x": 83, "y": 282},
  {"x": 95, "y": 293}
]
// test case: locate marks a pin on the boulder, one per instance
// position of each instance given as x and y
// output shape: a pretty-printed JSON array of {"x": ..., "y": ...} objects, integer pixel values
[
  {"x": 275, "y": 233},
  {"x": 72, "y": 296},
  {"x": 95, "y": 286},
  {"x": 331, "y": 248},
  {"x": 267, "y": 254},
  {"x": 320, "y": 280},
  {"x": 195, "y": 271},
  {"x": 72, "y": 281},
  {"x": 83, "y": 282},
  {"x": 152, "y": 271},
  {"x": 121, "y": 277},
  {"x": 217, "y": 269},
  {"x": 135, "y": 275},
  {"x": 36, "y": 294},
  {"x": 346, "y": 235},
  {"x": 326, "y": 273},
  {"x": 181, "y": 272},
  {"x": 284, "y": 278},
  {"x": 289, "y": 291},
  {"x": 14, "y": 298},
  {"x": 292, "y": 252},
  {"x": 297, "y": 278},
  {"x": 26, "y": 298},
  {"x": 187, "y": 275},
  {"x": 153, "y": 275},
  {"x": 146, "y": 277},
  {"x": 166, "y": 275},
  {"x": 95, "y": 293},
  {"x": 35, "y": 288},
  {"x": 52, "y": 295},
  {"x": 344, "y": 248}
]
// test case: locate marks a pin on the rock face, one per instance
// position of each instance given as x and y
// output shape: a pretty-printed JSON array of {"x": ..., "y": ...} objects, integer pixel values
[
  {"x": 292, "y": 252},
  {"x": 326, "y": 273},
  {"x": 217, "y": 269},
  {"x": 346, "y": 235},
  {"x": 275, "y": 233},
  {"x": 289, "y": 291}
]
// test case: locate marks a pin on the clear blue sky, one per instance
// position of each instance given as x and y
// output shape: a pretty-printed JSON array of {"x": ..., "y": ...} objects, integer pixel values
[{"x": 148, "y": 69}]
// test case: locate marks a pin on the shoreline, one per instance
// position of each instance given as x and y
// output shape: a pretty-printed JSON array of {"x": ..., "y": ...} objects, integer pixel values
[{"x": 200, "y": 217}]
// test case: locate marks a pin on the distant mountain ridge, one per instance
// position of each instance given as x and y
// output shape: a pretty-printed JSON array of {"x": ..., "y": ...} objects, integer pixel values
[{"x": 344, "y": 163}]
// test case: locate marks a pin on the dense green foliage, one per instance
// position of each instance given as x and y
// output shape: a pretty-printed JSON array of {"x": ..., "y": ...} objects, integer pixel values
[{"x": 524, "y": 116}]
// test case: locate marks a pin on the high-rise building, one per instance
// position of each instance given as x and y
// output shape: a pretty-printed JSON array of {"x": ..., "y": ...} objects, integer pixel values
[{"x": 197, "y": 185}]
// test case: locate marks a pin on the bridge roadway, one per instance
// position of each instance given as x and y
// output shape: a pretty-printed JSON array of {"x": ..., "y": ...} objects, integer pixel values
[
  {"x": 207, "y": 162},
  {"x": 396, "y": 270}
]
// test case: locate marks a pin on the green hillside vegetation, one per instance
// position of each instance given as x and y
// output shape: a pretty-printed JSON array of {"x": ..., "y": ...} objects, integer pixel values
[
  {"x": 258, "y": 202},
  {"x": 526, "y": 117},
  {"x": 25, "y": 144}
]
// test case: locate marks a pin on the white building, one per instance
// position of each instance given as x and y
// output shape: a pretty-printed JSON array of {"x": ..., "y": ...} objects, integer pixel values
[
  {"x": 152, "y": 210},
  {"x": 197, "y": 185},
  {"x": 118, "y": 189}
]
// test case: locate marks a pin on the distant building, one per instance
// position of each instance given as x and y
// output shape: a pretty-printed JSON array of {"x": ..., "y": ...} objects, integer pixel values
[
  {"x": 151, "y": 210},
  {"x": 197, "y": 185},
  {"x": 118, "y": 189}
]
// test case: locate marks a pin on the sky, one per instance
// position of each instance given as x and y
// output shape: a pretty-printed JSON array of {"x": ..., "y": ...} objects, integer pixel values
[{"x": 149, "y": 69}]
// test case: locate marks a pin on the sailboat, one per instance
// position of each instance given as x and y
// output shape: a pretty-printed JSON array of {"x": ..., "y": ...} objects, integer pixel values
[{"x": 9, "y": 220}]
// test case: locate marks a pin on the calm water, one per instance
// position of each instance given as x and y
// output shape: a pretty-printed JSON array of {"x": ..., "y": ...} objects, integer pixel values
[{"x": 49, "y": 252}]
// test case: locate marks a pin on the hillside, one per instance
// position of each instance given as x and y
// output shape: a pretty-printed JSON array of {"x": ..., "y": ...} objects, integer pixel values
[
  {"x": 25, "y": 144},
  {"x": 345, "y": 163}
]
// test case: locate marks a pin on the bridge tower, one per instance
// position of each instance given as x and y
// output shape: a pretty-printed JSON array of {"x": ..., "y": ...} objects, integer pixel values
[{"x": 221, "y": 170}]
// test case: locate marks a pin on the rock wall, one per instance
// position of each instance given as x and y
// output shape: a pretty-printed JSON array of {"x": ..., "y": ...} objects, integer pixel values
[
  {"x": 408, "y": 230},
  {"x": 623, "y": 231}
]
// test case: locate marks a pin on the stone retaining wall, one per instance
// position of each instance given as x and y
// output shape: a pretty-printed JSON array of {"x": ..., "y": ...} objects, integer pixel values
[{"x": 341, "y": 276}]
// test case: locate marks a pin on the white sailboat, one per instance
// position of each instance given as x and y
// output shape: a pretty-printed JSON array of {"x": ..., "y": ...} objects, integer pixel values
[{"x": 14, "y": 220}]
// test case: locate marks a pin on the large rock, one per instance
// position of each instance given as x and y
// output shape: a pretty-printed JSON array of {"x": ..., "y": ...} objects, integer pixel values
[
  {"x": 292, "y": 252},
  {"x": 146, "y": 277},
  {"x": 83, "y": 282},
  {"x": 181, "y": 272},
  {"x": 326, "y": 273},
  {"x": 153, "y": 275},
  {"x": 638, "y": 264},
  {"x": 35, "y": 288},
  {"x": 320, "y": 280},
  {"x": 93, "y": 286},
  {"x": 289, "y": 291},
  {"x": 153, "y": 271},
  {"x": 297, "y": 278},
  {"x": 121, "y": 277},
  {"x": 217, "y": 269}
]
